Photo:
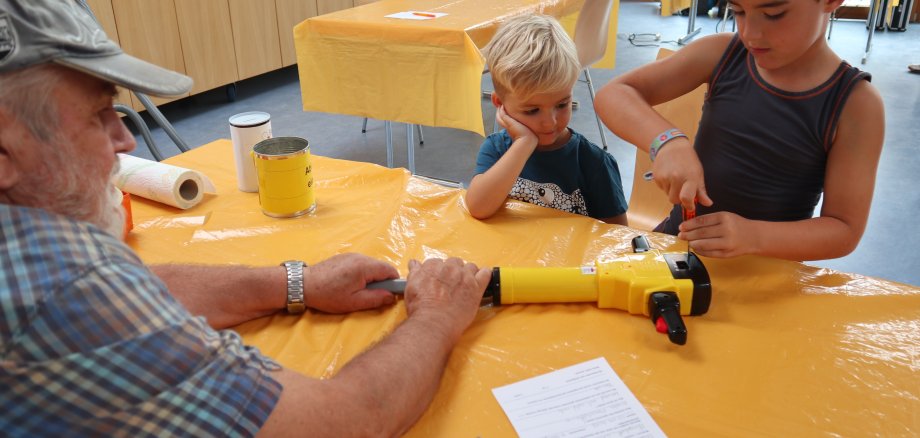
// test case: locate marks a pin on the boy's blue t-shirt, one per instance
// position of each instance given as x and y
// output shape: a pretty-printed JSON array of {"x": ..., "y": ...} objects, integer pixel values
[{"x": 579, "y": 177}]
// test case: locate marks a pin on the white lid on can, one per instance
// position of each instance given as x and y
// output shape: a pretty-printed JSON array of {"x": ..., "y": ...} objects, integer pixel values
[{"x": 249, "y": 118}]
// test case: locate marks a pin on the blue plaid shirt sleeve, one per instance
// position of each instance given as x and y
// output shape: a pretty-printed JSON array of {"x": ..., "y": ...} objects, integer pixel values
[{"x": 92, "y": 343}]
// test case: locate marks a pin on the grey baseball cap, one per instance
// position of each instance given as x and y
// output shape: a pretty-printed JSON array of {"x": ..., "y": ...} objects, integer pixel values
[{"x": 33, "y": 32}]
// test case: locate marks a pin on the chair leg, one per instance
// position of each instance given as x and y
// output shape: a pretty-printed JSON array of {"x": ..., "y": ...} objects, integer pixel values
[
  {"x": 600, "y": 126},
  {"x": 364, "y": 126},
  {"x": 142, "y": 127},
  {"x": 421, "y": 136},
  {"x": 164, "y": 124}
]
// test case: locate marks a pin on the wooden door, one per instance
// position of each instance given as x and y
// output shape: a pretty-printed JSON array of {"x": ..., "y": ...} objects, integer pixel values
[
  {"x": 148, "y": 29},
  {"x": 207, "y": 43},
  {"x": 255, "y": 37},
  {"x": 105, "y": 15},
  {"x": 291, "y": 13},
  {"x": 327, "y": 6}
]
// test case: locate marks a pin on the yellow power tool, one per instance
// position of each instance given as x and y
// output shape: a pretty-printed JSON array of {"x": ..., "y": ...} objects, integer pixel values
[{"x": 662, "y": 286}]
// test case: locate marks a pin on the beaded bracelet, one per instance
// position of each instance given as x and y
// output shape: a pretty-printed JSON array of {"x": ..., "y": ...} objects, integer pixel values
[{"x": 663, "y": 139}]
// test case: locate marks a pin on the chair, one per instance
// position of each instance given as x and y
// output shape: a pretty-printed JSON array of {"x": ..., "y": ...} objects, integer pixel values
[
  {"x": 648, "y": 205},
  {"x": 142, "y": 128},
  {"x": 591, "y": 43}
]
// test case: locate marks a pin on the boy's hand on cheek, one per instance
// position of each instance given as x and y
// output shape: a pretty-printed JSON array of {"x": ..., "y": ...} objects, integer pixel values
[
  {"x": 721, "y": 234},
  {"x": 516, "y": 129}
]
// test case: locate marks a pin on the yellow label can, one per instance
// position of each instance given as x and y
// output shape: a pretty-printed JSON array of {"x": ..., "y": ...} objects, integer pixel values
[{"x": 285, "y": 175}]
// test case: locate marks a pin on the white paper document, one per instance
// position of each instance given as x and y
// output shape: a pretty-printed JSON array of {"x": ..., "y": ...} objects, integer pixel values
[
  {"x": 417, "y": 15},
  {"x": 583, "y": 400}
]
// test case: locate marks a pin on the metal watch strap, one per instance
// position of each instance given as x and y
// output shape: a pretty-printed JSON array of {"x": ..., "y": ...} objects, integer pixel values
[{"x": 295, "y": 301}]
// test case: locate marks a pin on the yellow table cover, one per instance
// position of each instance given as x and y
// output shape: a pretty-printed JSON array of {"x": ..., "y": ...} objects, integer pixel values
[
  {"x": 426, "y": 72},
  {"x": 785, "y": 350}
]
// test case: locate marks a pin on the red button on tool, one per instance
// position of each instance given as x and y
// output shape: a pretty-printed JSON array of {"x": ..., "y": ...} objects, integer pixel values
[{"x": 660, "y": 326}]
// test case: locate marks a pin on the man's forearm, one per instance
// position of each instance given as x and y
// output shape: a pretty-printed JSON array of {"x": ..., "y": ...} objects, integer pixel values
[
  {"x": 398, "y": 379},
  {"x": 226, "y": 295},
  {"x": 381, "y": 392}
]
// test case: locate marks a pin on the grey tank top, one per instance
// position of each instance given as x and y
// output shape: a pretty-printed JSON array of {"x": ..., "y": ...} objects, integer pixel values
[{"x": 764, "y": 149}]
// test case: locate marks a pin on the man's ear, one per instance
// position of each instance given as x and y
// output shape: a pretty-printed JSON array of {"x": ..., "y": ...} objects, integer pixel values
[
  {"x": 497, "y": 101},
  {"x": 9, "y": 172}
]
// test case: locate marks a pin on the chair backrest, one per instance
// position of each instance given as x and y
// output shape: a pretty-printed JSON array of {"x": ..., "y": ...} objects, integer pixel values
[
  {"x": 648, "y": 205},
  {"x": 591, "y": 31}
]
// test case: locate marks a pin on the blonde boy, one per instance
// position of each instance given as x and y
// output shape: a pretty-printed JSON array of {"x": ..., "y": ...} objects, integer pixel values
[{"x": 537, "y": 158}]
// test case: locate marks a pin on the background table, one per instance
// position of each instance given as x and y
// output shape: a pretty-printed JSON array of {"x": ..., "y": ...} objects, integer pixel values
[
  {"x": 424, "y": 72},
  {"x": 785, "y": 350}
]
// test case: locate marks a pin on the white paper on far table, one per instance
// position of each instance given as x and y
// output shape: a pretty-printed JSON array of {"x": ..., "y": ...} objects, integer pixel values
[{"x": 417, "y": 15}]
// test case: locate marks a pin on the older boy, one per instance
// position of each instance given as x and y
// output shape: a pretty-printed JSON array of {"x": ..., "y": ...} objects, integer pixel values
[
  {"x": 785, "y": 120},
  {"x": 537, "y": 158}
]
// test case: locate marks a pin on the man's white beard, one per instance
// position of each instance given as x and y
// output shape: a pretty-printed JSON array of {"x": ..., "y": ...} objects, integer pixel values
[{"x": 111, "y": 215}]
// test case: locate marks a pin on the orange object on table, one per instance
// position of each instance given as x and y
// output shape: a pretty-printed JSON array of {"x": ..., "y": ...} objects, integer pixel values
[
  {"x": 129, "y": 220},
  {"x": 786, "y": 349}
]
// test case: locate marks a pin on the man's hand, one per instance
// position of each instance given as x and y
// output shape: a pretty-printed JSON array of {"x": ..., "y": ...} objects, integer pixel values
[
  {"x": 679, "y": 174},
  {"x": 516, "y": 129},
  {"x": 720, "y": 234},
  {"x": 446, "y": 292},
  {"x": 338, "y": 285}
]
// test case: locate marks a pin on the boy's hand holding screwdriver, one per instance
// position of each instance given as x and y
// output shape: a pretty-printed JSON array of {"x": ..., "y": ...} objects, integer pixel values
[{"x": 678, "y": 172}]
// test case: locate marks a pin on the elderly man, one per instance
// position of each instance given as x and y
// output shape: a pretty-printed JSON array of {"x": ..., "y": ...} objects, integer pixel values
[{"x": 92, "y": 342}]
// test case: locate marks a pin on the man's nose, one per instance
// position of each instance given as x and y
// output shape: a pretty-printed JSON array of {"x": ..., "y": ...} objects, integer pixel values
[{"x": 122, "y": 140}]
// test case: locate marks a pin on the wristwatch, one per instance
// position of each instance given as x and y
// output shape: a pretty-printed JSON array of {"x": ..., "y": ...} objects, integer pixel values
[{"x": 295, "y": 301}]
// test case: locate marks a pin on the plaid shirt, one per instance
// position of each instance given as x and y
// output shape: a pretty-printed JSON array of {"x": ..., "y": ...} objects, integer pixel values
[{"x": 92, "y": 343}]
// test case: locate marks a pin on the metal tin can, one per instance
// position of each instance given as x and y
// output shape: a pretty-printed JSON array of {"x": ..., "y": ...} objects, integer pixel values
[{"x": 285, "y": 175}]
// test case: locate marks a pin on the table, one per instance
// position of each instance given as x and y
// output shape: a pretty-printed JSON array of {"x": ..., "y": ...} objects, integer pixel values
[
  {"x": 786, "y": 349},
  {"x": 423, "y": 72}
]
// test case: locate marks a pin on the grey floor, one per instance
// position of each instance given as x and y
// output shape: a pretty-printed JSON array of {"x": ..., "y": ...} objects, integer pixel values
[{"x": 885, "y": 250}]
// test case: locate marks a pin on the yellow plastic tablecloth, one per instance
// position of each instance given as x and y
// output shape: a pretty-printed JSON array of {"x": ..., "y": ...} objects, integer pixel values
[
  {"x": 425, "y": 72},
  {"x": 785, "y": 350}
]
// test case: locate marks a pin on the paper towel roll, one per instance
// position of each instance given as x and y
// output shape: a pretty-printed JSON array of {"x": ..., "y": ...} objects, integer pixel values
[{"x": 161, "y": 182}]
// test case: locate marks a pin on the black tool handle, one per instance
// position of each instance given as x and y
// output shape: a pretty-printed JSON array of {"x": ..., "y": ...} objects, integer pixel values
[
  {"x": 398, "y": 286},
  {"x": 640, "y": 244},
  {"x": 666, "y": 305},
  {"x": 395, "y": 285}
]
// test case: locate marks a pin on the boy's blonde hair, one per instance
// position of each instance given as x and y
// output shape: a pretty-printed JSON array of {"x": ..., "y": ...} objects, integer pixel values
[{"x": 531, "y": 54}]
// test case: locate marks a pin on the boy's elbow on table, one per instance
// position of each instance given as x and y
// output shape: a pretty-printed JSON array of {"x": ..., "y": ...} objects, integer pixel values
[
  {"x": 849, "y": 243},
  {"x": 847, "y": 238},
  {"x": 480, "y": 215},
  {"x": 476, "y": 210}
]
